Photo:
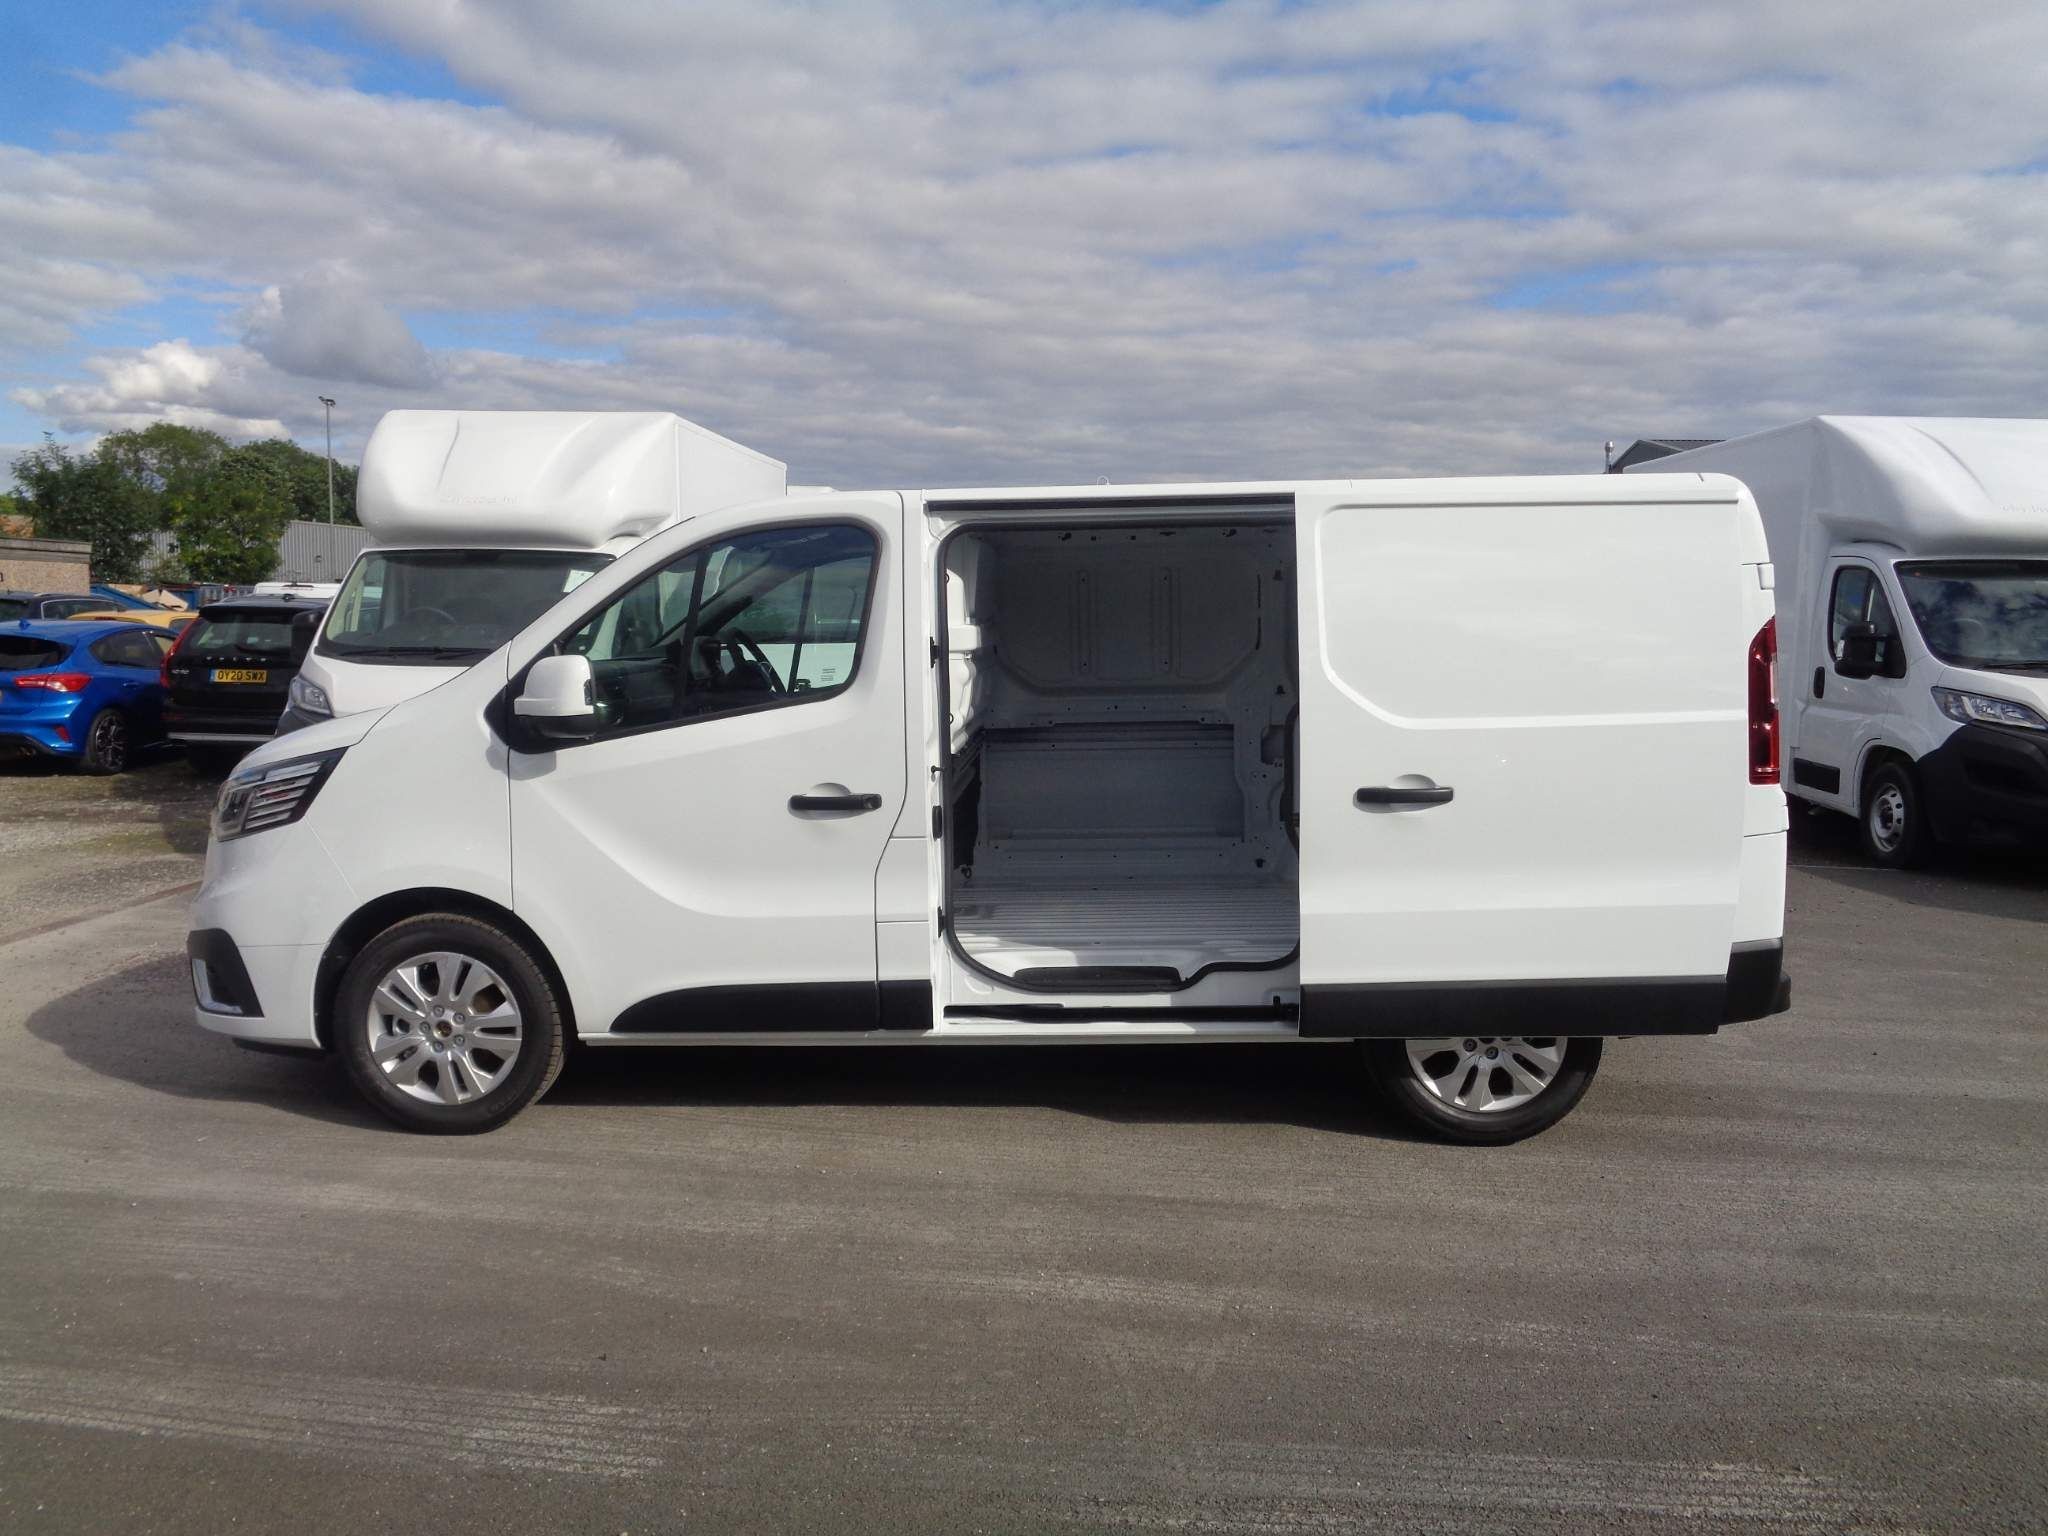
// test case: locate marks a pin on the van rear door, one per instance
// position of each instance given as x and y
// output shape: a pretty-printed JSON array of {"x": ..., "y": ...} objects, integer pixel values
[{"x": 1523, "y": 765}]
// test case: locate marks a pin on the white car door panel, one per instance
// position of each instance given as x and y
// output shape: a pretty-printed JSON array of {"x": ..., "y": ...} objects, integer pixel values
[{"x": 732, "y": 856}]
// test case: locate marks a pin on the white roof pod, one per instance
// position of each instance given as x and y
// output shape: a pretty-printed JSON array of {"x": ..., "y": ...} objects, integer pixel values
[
  {"x": 1932, "y": 485},
  {"x": 549, "y": 479}
]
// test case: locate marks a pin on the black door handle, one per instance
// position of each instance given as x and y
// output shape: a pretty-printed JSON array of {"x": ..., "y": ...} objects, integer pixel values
[
  {"x": 1820, "y": 681},
  {"x": 1394, "y": 794},
  {"x": 835, "y": 802}
]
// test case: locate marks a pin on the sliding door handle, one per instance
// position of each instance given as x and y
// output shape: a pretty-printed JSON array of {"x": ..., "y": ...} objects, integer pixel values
[
  {"x": 1401, "y": 794},
  {"x": 853, "y": 804}
]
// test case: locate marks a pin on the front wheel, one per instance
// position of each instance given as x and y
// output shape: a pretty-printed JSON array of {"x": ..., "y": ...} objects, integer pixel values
[
  {"x": 446, "y": 1023},
  {"x": 1483, "y": 1090},
  {"x": 1895, "y": 830}
]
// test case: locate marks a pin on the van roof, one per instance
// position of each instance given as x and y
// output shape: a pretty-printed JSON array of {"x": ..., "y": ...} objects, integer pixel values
[{"x": 1933, "y": 484}]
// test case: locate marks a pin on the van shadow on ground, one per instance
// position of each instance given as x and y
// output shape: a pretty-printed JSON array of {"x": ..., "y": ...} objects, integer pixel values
[
  {"x": 136, "y": 1026},
  {"x": 1981, "y": 882}
]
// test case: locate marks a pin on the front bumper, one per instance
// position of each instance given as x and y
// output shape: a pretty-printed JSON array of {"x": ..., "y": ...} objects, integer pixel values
[
  {"x": 1989, "y": 783},
  {"x": 270, "y": 903}
]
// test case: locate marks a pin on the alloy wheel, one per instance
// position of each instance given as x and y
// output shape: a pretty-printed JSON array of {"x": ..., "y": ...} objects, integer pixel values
[
  {"x": 1486, "y": 1074},
  {"x": 110, "y": 742},
  {"x": 444, "y": 1028}
]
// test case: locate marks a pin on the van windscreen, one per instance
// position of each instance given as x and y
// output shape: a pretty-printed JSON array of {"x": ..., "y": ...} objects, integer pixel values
[
  {"x": 429, "y": 607},
  {"x": 1989, "y": 614}
]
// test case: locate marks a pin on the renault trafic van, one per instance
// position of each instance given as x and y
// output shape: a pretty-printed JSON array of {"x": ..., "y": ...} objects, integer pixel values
[
  {"x": 481, "y": 519},
  {"x": 1912, "y": 568},
  {"x": 1474, "y": 773}
]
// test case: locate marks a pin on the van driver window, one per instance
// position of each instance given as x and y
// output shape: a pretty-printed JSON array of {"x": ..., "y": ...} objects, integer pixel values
[
  {"x": 1860, "y": 599},
  {"x": 768, "y": 618}
]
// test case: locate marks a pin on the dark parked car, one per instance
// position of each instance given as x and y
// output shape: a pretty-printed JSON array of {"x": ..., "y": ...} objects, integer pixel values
[
  {"x": 84, "y": 693},
  {"x": 228, "y": 673},
  {"x": 47, "y": 605}
]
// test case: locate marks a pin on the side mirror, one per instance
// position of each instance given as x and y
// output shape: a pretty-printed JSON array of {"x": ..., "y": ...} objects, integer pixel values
[
  {"x": 1858, "y": 656},
  {"x": 559, "y": 699}
]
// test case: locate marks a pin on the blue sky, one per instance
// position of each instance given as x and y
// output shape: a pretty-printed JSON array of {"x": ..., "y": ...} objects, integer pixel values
[{"x": 905, "y": 241}]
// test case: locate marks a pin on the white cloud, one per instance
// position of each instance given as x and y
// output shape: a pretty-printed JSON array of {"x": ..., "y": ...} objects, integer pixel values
[
  {"x": 329, "y": 326},
  {"x": 930, "y": 243}
]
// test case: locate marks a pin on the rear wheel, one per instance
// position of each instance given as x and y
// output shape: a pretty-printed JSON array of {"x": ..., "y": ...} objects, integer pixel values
[
  {"x": 106, "y": 743},
  {"x": 446, "y": 1023},
  {"x": 1484, "y": 1090},
  {"x": 1895, "y": 830}
]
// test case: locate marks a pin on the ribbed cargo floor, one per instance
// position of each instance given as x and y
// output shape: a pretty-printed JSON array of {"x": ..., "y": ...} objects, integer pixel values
[{"x": 1184, "y": 924}]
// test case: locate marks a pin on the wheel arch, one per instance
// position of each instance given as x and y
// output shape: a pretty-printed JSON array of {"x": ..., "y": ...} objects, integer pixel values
[{"x": 371, "y": 919}]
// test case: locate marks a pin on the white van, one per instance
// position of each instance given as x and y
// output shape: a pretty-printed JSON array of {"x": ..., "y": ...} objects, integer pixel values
[
  {"x": 482, "y": 519},
  {"x": 1912, "y": 568},
  {"x": 1400, "y": 762}
]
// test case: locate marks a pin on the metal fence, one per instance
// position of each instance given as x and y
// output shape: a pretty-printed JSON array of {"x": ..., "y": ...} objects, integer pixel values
[{"x": 307, "y": 552}]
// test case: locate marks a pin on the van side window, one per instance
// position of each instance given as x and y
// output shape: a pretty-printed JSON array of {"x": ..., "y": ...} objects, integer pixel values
[
  {"x": 769, "y": 618},
  {"x": 1860, "y": 599}
]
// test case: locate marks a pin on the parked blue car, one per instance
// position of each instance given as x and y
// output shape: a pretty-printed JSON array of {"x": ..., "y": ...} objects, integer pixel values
[{"x": 87, "y": 692}]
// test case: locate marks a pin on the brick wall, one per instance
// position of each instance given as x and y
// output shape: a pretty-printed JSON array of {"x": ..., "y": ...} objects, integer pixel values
[{"x": 45, "y": 565}]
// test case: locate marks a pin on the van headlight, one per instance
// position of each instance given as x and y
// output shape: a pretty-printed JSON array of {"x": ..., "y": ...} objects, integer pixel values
[
  {"x": 309, "y": 698},
  {"x": 274, "y": 795},
  {"x": 1983, "y": 709}
]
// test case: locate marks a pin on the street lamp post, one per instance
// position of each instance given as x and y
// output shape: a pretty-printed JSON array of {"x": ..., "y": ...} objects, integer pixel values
[{"x": 324, "y": 400}]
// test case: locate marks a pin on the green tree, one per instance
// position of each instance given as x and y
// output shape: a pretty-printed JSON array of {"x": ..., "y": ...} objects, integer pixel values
[
  {"x": 228, "y": 521},
  {"x": 88, "y": 496},
  {"x": 306, "y": 474},
  {"x": 160, "y": 457}
]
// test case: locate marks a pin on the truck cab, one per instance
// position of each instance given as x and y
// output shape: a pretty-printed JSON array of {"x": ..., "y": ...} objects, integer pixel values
[
  {"x": 1386, "y": 766},
  {"x": 1910, "y": 557}
]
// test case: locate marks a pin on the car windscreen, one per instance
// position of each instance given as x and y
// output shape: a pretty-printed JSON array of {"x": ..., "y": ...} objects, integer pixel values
[
  {"x": 245, "y": 636},
  {"x": 447, "y": 606},
  {"x": 1990, "y": 614},
  {"x": 13, "y": 608},
  {"x": 29, "y": 653}
]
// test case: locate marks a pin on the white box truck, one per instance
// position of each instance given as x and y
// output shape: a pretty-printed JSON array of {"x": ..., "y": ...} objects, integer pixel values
[
  {"x": 482, "y": 519},
  {"x": 1911, "y": 561},
  {"x": 1475, "y": 772}
]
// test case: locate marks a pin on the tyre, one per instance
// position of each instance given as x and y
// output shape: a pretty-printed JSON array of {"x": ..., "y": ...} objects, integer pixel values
[
  {"x": 106, "y": 743},
  {"x": 1896, "y": 834},
  {"x": 1483, "y": 1090},
  {"x": 446, "y": 1023}
]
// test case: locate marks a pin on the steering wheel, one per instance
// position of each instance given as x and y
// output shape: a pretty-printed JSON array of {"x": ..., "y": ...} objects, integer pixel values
[
  {"x": 740, "y": 639},
  {"x": 737, "y": 645},
  {"x": 439, "y": 613}
]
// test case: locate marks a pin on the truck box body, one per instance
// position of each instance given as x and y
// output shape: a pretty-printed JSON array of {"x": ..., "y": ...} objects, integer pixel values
[{"x": 1905, "y": 521}]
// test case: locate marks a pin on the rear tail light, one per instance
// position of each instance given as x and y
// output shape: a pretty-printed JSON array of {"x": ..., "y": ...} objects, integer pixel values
[
  {"x": 163, "y": 674},
  {"x": 55, "y": 682},
  {"x": 1763, "y": 705}
]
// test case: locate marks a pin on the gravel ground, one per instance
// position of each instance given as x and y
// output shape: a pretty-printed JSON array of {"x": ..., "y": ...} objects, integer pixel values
[
  {"x": 1785, "y": 1279},
  {"x": 71, "y": 844}
]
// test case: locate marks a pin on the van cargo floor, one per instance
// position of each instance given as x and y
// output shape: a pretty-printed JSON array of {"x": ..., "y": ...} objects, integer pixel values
[{"x": 1181, "y": 924}]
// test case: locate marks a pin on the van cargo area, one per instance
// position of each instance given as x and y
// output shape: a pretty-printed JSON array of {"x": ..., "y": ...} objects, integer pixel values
[{"x": 1121, "y": 721}]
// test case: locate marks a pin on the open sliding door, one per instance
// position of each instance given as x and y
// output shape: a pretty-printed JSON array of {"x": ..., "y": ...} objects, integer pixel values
[{"x": 1523, "y": 754}]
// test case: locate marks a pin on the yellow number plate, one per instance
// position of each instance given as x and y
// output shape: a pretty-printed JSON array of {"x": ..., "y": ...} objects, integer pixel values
[{"x": 240, "y": 675}]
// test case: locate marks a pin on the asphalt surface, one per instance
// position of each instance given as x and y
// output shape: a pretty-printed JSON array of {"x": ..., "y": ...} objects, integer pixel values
[{"x": 1785, "y": 1279}]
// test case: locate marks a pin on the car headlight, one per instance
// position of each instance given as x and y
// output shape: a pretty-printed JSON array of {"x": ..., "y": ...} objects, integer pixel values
[
  {"x": 274, "y": 795},
  {"x": 309, "y": 698},
  {"x": 1983, "y": 709}
]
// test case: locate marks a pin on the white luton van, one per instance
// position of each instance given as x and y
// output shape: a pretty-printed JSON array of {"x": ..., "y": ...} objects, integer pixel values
[
  {"x": 1475, "y": 772},
  {"x": 481, "y": 519},
  {"x": 1912, "y": 570}
]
